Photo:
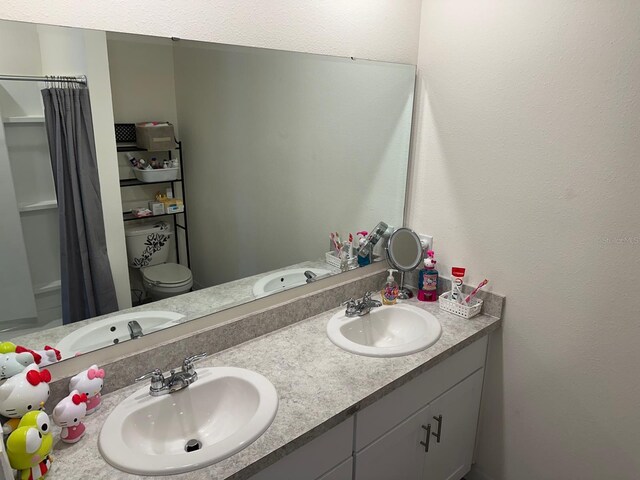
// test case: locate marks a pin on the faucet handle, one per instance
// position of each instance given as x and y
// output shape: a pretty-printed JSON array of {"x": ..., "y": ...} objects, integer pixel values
[
  {"x": 197, "y": 357},
  {"x": 188, "y": 362},
  {"x": 348, "y": 303},
  {"x": 155, "y": 376},
  {"x": 367, "y": 299}
]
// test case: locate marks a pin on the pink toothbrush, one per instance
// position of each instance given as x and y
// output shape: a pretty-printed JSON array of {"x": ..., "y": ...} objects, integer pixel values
[{"x": 473, "y": 294}]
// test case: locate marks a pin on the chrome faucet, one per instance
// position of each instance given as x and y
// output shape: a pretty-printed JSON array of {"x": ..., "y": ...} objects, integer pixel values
[
  {"x": 135, "y": 330},
  {"x": 312, "y": 277},
  {"x": 176, "y": 381},
  {"x": 358, "y": 308}
]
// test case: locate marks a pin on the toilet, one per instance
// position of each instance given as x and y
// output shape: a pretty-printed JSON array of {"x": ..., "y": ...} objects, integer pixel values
[{"x": 148, "y": 249}]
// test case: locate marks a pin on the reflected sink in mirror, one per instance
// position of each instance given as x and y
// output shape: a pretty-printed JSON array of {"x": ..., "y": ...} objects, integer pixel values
[
  {"x": 223, "y": 412},
  {"x": 114, "y": 330},
  {"x": 387, "y": 331},
  {"x": 285, "y": 279}
]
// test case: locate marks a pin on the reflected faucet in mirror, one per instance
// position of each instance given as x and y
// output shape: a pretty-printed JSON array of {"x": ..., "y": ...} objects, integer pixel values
[{"x": 135, "y": 330}]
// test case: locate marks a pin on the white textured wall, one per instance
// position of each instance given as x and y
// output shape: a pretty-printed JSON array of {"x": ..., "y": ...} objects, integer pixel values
[
  {"x": 527, "y": 173},
  {"x": 373, "y": 29}
]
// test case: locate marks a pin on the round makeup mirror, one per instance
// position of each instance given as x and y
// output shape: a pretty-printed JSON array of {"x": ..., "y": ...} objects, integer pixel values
[{"x": 404, "y": 253}]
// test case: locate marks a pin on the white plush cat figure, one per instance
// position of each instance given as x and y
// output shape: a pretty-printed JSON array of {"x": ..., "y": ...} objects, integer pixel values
[
  {"x": 49, "y": 355},
  {"x": 89, "y": 382},
  {"x": 22, "y": 393},
  {"x": 68, "y": 414},
  {"x": 14, "y": 359}
]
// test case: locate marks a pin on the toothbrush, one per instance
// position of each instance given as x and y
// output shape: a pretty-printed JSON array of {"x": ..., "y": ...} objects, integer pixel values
[
  {"x": 350, "y": 245},
  {"x": 475, "y": 291}
]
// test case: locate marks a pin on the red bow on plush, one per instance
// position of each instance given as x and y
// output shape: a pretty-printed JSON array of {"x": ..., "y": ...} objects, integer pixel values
[
  {"x": 78, "y": 399},
  {"x": 36, "y": 356},
  {"x": 34, "y": 377},
  {"x": 56, "y": 351}
]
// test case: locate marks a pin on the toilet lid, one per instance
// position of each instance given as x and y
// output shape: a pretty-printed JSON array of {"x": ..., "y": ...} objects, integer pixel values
[{"x": 167, "y": 273}]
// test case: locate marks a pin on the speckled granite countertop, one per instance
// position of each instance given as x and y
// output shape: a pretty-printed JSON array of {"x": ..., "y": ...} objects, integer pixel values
[
  {"x": 192, "y": 305},
  {"x": 319, "y": 385}
]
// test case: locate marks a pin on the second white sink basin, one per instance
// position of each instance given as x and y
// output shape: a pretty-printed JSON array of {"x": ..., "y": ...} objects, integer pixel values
[
  {"x": 283, "y": 280},
  {"x": 221, "y": 413},
  {"x": 112, "y": 330},
  {"x": 387, "y": 331}
]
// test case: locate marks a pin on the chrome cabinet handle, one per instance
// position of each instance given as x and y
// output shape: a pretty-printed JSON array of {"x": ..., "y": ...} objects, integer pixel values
[
  {"x": 426, "y": 443},
  {"x": 439, "y": 432}
]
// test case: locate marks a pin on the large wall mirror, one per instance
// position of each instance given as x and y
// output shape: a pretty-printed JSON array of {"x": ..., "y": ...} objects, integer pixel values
[{"x": 256, "y": 167}]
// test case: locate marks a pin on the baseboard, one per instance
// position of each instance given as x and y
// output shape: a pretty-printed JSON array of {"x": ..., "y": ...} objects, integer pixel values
[{"x": 477, "y": 474}]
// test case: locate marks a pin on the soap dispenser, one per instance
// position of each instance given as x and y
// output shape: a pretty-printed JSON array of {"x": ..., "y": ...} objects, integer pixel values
[{"x": 390, "y": 290}]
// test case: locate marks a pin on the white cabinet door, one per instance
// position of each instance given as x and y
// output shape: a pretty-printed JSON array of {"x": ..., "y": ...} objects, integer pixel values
[
  {"x": 450, "y": 458},
  {"x": 318, "y": 457},
  {"x": 397, "y": 455}
]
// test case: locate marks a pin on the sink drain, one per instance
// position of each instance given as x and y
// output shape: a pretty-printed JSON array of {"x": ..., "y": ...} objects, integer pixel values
[{"x": 193, "y": 445}]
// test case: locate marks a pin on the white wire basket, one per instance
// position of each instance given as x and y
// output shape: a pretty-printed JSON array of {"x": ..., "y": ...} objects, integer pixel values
[
  {"x": 332, "y": 259},
  {"x": 459, "y": 309}
]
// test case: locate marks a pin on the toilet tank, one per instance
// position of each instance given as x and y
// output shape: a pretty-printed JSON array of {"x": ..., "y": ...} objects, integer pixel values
[{"x": 148, "y": 244}]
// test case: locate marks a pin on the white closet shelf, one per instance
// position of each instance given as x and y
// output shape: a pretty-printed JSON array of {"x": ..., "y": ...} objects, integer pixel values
[
  {"x": 41, "y": 205},
  {"x": 47, "y": 287},
  {"x": 22, "y": 120}
]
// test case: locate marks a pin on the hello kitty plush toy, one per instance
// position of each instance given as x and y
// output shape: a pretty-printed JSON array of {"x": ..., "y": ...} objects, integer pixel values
[
  {"x": 49, "y": 355},
  {"x": 89, "y": 382},
  {"x": 22, "y": 393},
  {"x": 14, "y": 359},
  {"x": 68, "y": 414}
]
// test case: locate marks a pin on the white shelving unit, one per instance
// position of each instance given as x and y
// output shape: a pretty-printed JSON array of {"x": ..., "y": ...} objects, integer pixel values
[{"x": 28, "y": 155}]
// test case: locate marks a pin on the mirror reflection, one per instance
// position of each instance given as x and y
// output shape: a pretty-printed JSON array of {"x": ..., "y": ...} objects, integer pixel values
[{"x": 149, "y": 181}]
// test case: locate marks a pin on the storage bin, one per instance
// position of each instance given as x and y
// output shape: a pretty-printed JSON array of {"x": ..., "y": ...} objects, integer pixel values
[
  {"x": 332, "y": 259},
  {"x": 155, "y": 137},
  {"x": 464, "y": 311},
  {"x": 157, "y": 174}
]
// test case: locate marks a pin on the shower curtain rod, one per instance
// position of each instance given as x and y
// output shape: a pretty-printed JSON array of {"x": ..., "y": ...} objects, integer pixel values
[{"x": 80, "y": 79}]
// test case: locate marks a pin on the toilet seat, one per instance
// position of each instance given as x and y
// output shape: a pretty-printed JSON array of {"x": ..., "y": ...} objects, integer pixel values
[{"x": 172, "y": 275}]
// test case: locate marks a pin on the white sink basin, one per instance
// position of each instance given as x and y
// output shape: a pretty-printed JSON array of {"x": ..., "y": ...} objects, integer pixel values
[
  {"x": 225, "y": 410},
  {"x": 113, "y": 330},
  {"x": 283, "y": 280},
  {"x": 388, "y": 331}
]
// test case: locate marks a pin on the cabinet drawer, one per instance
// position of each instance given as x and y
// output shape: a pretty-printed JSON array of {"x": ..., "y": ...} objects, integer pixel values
[
  {"x": 316, "y": 458},
  {"x": 390, "y": 410}
]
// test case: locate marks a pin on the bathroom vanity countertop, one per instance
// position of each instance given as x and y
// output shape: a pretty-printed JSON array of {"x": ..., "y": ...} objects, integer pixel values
[
  {"x": 192, "y": 305},
  {"x": 318, "y": 384}
]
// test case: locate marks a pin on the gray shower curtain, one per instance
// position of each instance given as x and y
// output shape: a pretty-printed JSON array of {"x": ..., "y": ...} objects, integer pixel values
[{"x": 87, "y": 283}]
